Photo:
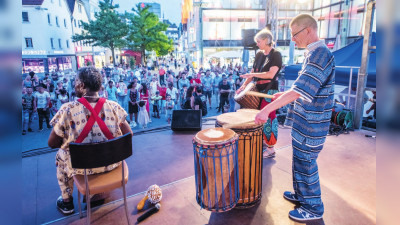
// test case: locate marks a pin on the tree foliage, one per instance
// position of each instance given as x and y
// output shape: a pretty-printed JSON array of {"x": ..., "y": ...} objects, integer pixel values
[
  {"x": 146, "y": 33},
  {"x": 108, "y": 30}
]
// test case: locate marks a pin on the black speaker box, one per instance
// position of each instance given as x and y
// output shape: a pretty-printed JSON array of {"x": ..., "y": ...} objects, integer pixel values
[
  {"x": 248, "y": 38},
  {"x": 186, "y": 120}
]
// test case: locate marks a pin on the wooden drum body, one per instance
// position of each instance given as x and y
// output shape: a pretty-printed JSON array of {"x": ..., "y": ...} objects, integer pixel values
[
  {"x": 248, "y": 101},
  {"x": 249, "y": 155},
  {"x": 216, "y": 169}
]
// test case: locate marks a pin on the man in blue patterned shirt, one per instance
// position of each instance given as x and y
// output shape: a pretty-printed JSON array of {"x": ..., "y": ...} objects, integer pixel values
[{"x": 310, "y": 109}]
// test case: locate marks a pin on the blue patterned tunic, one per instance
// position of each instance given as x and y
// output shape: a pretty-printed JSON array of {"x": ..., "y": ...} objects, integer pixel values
[{"x": 309, "y": 116}]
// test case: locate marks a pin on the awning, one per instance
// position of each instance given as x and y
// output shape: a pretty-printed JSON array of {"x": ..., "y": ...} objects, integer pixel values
[
  {"x": 130, "y": 53},
  {"x": 349, "y": 55}
]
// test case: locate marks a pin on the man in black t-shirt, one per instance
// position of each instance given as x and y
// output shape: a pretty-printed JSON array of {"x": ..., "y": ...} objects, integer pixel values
[
  {"x": 200, "y": 101},
  {"x": 224, "y": 89}
]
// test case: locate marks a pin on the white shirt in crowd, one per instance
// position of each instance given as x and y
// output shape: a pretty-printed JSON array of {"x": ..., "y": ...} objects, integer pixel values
[
  {"x": 172, "y": 92},
  {"x": 42, "y": 99}
]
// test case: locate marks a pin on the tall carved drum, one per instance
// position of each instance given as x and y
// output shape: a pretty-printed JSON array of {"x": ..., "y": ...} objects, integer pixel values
[
  {"x": 249, "y": 154},
  {"x": 216, "y": 169}
]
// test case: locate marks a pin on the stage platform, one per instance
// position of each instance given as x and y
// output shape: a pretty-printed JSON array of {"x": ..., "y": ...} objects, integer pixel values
[{"x": 347, "y": 167}]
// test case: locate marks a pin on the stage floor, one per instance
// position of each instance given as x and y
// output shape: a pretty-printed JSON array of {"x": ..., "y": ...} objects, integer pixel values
[{"x": 347, "y": 167}]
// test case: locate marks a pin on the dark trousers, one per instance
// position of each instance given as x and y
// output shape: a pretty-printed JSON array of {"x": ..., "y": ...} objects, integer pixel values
[
  {"x": 162, "y": 80},
  {"x": 222, "y": 102},
  {"x": 44, "y": 114}
]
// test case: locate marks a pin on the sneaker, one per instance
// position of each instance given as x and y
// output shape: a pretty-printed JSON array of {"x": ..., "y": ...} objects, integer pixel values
[
  {"x": 41, "y": 129},
  {"x": 301, "y": 214},
  {"x": 290, "y": 196},
  {"x": 30, "y": 130},
  {"x": 23, "y": 132},
  {"x": 268, "y": 155},
  {"x": 65, "y": 207},
  {"x": 49, "y": 127}
]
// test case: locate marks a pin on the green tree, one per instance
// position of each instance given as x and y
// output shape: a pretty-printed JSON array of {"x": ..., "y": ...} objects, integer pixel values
[
  {"x": 146, "y": 32},
  {"x": 108, "y": 30}
]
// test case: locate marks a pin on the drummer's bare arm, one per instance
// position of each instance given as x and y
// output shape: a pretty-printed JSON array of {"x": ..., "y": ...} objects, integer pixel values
[
  {"x": 286, "y": 98},
  {"x": 264, "y": 75}
]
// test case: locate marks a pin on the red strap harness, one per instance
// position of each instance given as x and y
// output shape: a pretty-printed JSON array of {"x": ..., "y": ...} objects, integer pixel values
[{"x": 94, "y": 117}]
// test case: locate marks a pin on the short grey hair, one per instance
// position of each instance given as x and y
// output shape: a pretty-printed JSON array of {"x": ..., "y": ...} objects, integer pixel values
[
  {"x": 304, "y": 20},
  {"x": 265, "y": 34}
]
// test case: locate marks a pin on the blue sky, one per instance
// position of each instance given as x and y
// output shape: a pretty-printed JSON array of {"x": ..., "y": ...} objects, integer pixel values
[{"x": 170, "y": 8}]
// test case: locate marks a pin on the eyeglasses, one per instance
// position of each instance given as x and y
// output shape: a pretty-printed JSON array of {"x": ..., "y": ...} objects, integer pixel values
[{"x": 293, "y": 36}]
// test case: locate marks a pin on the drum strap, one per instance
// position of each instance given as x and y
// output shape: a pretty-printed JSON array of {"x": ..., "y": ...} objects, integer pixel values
[{"x": 92, "y": 119}]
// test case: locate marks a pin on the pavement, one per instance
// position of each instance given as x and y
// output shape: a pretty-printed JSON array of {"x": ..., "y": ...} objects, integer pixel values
[{"x": 347, "y": 167}]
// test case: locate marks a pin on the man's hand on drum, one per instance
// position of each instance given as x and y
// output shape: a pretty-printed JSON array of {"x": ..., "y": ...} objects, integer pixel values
[{"x": 262, "y": 116}]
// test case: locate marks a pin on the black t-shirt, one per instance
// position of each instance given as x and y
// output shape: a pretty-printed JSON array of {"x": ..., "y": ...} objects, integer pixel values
[
  {"x": 201, "y": 101},
  {"x": 226, "y": 86},
  {"x": 263, "y": 63}
]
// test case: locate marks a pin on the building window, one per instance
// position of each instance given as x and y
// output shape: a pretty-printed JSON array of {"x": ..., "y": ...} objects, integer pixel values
[
  {"x": 65, "y": 23},
  {"x": 48, "y": 19},
  {"x": 52, "y": 43},
  {"x": 28, "y": 42},
  {"x": 74, "y": 22},
  {"x": 80, "y": 8},
  {"x": 59, "y": 43},
  {"x": 25, "y": 17},
  {"x": 67, "y": 42},
  {"x": 57, "y": 22}
]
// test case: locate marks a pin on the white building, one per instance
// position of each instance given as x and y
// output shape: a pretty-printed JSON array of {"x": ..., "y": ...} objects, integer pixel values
[
  {"x": 86, "y": 54},
  {"x": 46, "y": 36}
]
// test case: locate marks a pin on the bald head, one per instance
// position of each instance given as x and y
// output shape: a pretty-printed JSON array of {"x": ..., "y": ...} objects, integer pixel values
[{"x": 304, "y": 20}]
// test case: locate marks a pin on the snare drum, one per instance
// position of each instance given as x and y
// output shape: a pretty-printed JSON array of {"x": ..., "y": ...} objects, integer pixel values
[
  {"x": 216, "y": 169},
  {"x": 249, "y": 154},
  {"x": 248, "y": 101}
]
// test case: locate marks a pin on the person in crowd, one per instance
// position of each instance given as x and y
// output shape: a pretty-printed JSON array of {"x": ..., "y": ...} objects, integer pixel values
[
  {"x": 309, "y": 108},
  {"x": 62, "y": 98},
  {"x": 103, "y": 93},
  {"x": 161, "y": 72},
  {"x": 187, "y": 103},
  {"x": 207, "y": 82},
  {"x": 122, "y": 92},
  {"x": 27, "y": 110},
  {"x": 155, "y": 101},
  {"x": 133, "y": 95},
  {"x": 111, "y": 91},
  {"x": 266, "y": 67},
  {"x": 200, "y": 101},
  {"x": 183, "y": 81},
  {"x": 42, "y": 105},
  {"x": 163, "y": 94},
  {"x": 173, "y": 92},
  {"x": 27, "y": 82},
  {"x": 70, "y": 121},
  {"x": 216, "y": 81},
  {"x": 225, "y": 89},
  {"x": 145, "y": 96},
  {"x": 143, "y": 117},
  {"x": 169, "y": 106}
]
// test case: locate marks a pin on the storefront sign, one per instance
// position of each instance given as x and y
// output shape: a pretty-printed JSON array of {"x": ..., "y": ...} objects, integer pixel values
[
  {"x": 58, "y": 52},
  {"x": 34, "y": 52}
]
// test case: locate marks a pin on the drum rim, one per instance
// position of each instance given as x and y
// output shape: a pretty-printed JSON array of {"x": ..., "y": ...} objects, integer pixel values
[
  {"x": 234, "y": 138},
  {"x": 250, "y": 126}
]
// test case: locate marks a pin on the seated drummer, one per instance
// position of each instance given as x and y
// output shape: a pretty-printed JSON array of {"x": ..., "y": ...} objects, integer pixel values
[{"x": 267, "y": 65}]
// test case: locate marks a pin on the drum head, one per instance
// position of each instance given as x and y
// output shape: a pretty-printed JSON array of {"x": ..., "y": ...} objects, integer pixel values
[
  {"x": 241, "y": 118},
  {"x": 215, "y": 136},
  {"x": 249, "y": 87}
]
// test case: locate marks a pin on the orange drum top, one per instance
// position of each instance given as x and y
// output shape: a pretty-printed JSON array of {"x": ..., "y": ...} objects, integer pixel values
[
  {"x": 215, "y": 136},
  {"x": 239, "y": 119}
]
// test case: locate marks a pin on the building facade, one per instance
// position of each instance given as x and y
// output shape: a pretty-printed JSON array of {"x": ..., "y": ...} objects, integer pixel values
[
  {"x": 216, "y": 26},
  {"x": 46, "y": 36},
  {"x": 86, "y": 54}
]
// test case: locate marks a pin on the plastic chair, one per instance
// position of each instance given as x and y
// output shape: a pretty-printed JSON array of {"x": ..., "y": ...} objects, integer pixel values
[{"x": 91, "y": 155}]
